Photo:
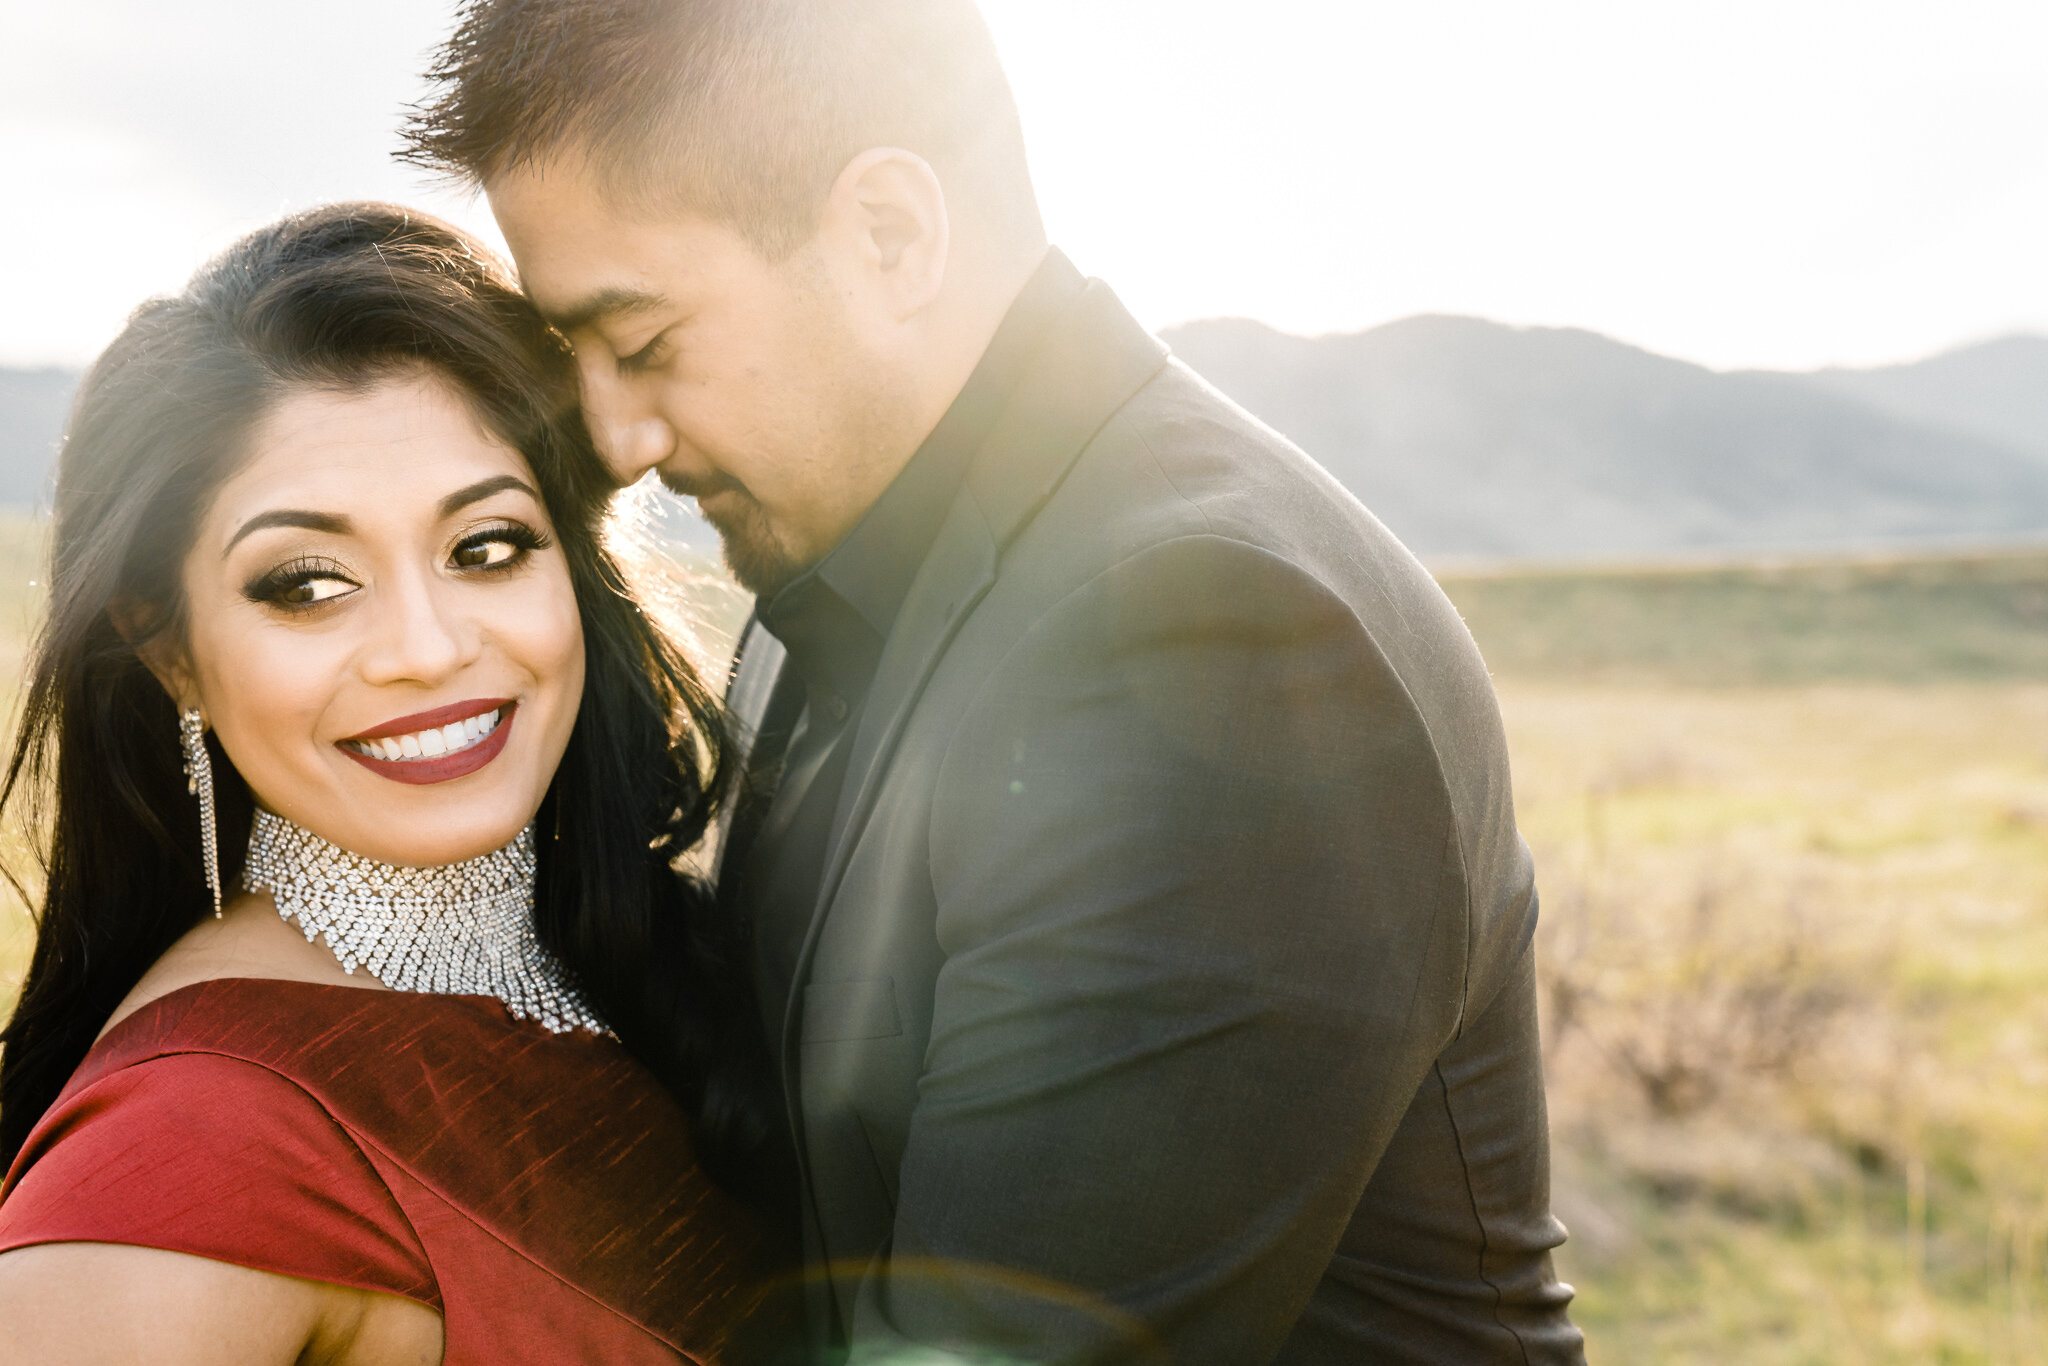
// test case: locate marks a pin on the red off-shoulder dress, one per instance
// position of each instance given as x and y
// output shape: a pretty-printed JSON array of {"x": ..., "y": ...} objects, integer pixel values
[{"x": 536, "y": 1190}]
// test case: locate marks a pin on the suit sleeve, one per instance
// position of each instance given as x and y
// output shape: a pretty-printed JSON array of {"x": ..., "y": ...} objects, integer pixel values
[{"x": 1204, "y": 931}]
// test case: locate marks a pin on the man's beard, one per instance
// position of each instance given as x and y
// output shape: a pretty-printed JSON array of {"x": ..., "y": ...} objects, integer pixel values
[{"x": 753, "y": 552}]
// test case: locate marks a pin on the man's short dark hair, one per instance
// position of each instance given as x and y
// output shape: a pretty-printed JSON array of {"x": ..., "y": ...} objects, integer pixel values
[{"x": 744, "y": 111}]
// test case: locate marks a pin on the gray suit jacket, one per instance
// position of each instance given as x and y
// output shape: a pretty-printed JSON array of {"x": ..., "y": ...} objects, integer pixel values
[{"x": 1169, "y": 994}]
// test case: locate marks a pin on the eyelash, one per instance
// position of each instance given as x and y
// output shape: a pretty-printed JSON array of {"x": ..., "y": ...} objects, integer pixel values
[
  {"x": 272, "y": 587},
  {"x": 275, "y": 586},
  {"x": 522, "y": 538},
  {"x": 645, "y": 357}
]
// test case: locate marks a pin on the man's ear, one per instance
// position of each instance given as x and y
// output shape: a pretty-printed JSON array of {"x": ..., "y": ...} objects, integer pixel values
[
  {"x": 137, "y": 623},
  {"x": 889, "y": 210}
]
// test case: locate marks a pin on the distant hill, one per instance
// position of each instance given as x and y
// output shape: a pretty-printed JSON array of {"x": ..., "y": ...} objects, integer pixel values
[
  {"x": 33, "y": 404},
  {"x": 1998, "y": 390},
  {"x": 1476, "y": 440}
]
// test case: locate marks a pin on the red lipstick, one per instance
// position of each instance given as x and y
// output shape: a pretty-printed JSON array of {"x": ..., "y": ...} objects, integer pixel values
[{"x": 439, "y": 768}]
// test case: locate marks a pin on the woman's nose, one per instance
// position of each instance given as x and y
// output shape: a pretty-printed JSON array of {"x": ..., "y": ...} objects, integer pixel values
[
  {"x": 419, "y": 636},
  {"x": 631, "y": 438}
]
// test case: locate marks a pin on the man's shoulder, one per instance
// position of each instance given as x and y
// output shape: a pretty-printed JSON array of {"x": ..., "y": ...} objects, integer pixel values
[
  {"x": 1207, "y": 444},
  {"x": 1180, "y": 461},
  {"x": 1185, "y": 520}
]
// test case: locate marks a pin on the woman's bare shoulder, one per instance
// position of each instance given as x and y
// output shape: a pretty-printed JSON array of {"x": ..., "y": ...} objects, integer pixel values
[
  {"x": 249, "y": 940},
  {"x": 111, "y": 1304}
]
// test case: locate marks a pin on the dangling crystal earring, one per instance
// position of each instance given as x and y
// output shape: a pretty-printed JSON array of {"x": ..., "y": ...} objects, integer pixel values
[{"x": 199, "y": 780}]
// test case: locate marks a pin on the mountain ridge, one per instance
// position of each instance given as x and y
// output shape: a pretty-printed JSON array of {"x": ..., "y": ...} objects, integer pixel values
[
  {"x": 34, "y": 403},
  {"x": 1994, "y": 388},
  {"x": 1478, "y": 441}
]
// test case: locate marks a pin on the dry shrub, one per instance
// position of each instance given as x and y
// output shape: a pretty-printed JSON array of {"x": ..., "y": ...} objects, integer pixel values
[
  {"x": 1716, "y": 1035},
  {"x": 1683, "y": 1005}
]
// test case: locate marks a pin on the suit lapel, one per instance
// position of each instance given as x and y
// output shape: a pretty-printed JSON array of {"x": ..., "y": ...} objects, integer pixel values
[
  {"x": 954, "y": 576},
  {"x": 1094, "y": 357}
]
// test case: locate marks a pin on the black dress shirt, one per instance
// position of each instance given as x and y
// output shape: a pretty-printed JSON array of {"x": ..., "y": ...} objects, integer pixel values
[{"x": 834, "y": 619}]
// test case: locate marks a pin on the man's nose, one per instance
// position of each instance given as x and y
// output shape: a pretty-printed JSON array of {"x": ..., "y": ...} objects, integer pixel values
[{"x": 630, "y": 437}]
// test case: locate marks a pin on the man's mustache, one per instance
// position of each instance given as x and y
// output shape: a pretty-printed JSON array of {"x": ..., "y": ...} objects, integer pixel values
[{"x": 699, "y": 486}]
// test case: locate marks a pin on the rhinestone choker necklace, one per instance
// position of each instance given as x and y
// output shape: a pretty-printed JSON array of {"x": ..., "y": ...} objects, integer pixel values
[{"x": 465, "y": 929}]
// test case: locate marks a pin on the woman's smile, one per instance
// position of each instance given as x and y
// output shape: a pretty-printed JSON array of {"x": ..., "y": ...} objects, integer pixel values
[{"x": 435, "y": 746}]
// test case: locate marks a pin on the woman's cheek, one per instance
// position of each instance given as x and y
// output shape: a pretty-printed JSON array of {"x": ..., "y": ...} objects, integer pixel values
[
  {"x": 552, "y": 646},
  {"x": 570, "y": 667},
  {"x": 267, "y": 709}
]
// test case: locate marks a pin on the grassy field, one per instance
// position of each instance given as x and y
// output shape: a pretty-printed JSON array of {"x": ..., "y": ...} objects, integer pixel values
[
  {"x": 1902, "y": 621},
  {"x": 22, "y": 549},
  {"x": 1791, "y": 826}
]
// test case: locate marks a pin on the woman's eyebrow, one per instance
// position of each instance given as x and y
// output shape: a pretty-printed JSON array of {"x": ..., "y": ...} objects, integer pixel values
[
  {"x": 341, "y": 526},
  {"x": 311, "y": 521},
  {"x": 482, "y": 489}
]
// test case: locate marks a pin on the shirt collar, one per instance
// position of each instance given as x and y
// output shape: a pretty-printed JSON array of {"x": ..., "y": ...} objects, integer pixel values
[{"x": 872, "y": 569}]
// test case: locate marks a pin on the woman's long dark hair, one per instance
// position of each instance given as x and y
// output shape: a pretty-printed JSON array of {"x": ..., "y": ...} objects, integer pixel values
[{"x": 341, "y": 297}]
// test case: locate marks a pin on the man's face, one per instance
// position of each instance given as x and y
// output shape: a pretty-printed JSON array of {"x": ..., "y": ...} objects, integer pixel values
[{"x": 749, "y": 384}]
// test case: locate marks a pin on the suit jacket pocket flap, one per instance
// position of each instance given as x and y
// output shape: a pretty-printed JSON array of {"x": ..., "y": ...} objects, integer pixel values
[{"x": 865, "y": 1009}]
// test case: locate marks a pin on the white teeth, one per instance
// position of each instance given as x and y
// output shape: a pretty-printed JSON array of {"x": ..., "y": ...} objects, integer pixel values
[{"x": 429, "y": 744}]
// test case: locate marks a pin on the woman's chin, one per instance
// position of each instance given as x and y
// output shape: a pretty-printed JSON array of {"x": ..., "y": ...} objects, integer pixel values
[
  {"x": 427, "y": 812},
  {"x": 416, "y": 848},
  {"x": 422, "y": 826}
]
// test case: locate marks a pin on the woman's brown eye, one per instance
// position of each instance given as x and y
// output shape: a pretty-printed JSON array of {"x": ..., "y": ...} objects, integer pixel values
[
  {"x": 484, "y": 554},
  {"x": 496, "y": 548},
  {"x": 308, "y": 591}
]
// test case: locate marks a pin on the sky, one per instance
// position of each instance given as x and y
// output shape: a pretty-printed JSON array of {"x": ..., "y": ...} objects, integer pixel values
[{"x": 1773, "y": 183}]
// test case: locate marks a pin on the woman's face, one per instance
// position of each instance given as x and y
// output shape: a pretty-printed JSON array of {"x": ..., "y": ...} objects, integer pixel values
[{"x": 381, "y": 626}]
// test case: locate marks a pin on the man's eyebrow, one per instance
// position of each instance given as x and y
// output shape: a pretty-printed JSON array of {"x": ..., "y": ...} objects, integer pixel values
[
  {"x": 311, "y": 521},
  {"x": 605, "y": 303},
  {"x": 482, "y": 489}
]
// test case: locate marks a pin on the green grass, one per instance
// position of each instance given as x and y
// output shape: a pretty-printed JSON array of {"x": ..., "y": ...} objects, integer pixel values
[
  {"x": 1978, "y": 618},
  {"x": 1794, "y": 952},
  {"x": 23, "y": 547},
  {"x": 1791, "y": 829}
]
